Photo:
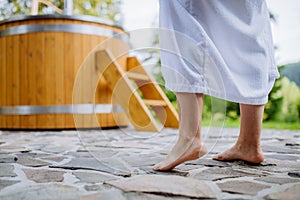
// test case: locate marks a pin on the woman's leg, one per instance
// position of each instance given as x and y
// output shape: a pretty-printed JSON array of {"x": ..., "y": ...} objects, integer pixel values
[
  {"x": 188, "y": 145},
  {"x": 247, "y": 147}
]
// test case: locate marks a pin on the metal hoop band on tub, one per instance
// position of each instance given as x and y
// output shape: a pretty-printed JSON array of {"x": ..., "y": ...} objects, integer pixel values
[
  {"x": 67, "y": 28},
  {"x": 61, "y": 109},
  {"x": 83, "y": 18}
]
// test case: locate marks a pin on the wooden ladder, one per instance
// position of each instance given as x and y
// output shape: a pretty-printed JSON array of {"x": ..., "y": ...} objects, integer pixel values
[{"x": 137, "y": 108}]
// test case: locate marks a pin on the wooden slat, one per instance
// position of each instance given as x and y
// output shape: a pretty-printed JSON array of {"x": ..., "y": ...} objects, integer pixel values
[
  {"x": 123, "y": 92},
  {"x": 33, "y": 76},
  {"x": 24, "y": 54},
  {"x": 9, "y": 78},
  {"x": 93, "y": 41},
  {"x": 70, "y": 49},
  {"x": 40, "y": 72},
  {"x": 117, "y": 48},
  {"x": 48, "y": 79},
  {"x": 16, "y": 78},
  {"x": 81, "y": 90},
  {"x": 103, "y": 96},
  {"x": 59, "y": 77},
  {"x": 90, "y": 81},
  {"x": 84, "y": 87},
  {"x": 151, "y": 102},
  {"x": 3, "y": 81},
  {"x": 151, "y": 90},
  {"x": 86, "y": 84},
  {"x": 137, "y": 76}
]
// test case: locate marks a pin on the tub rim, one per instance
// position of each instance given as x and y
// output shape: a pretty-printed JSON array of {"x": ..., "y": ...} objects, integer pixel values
[{"x": 84, "y": 18}]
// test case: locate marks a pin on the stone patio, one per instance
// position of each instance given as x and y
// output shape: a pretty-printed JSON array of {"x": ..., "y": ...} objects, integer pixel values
[{"x": 116, "y": 164}]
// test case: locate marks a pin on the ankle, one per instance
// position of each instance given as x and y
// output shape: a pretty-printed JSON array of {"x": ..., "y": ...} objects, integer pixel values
[
  {"x": 187, "y": 138},
  {"x": 253, "y": 147}
]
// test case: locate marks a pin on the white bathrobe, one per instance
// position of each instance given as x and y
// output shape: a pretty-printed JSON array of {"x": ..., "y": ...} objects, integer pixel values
[{"x": 221, "y": 48}]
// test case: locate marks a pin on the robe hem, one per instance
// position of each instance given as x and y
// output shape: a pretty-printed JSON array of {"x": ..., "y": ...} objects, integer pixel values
[{"x": 228, "y": 97}]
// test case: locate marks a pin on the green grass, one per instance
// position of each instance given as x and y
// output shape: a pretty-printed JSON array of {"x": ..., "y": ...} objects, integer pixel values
[
  {"x": 281, "y": 125},
  {"x": 266, "y": 125}
]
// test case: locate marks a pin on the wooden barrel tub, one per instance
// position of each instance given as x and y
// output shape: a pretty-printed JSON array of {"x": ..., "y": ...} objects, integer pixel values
[{"x": 40, "y": 57}]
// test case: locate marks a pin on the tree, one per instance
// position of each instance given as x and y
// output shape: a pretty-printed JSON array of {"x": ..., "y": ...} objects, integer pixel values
[
  {"x": 273, "y": 107},
  {"x": 9, "y": 8},
  {"x": 107, "y": 9}
]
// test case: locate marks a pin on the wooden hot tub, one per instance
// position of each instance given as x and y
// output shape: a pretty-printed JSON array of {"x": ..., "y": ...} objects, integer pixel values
[{"x": 40, "y": 57}]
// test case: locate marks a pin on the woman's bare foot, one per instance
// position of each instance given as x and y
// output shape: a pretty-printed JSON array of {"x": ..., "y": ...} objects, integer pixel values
[
  {"x": 184, "y": 150},
  {"x": 241, "y": 152}
]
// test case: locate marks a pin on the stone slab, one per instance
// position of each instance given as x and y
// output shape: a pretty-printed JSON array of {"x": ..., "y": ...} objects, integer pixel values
[
  {"x": 31, "y": 162},
  {"x": 277, "y": 180},
  {"x": 274, "y": 148},
  {"x": 149, "y": 170},
  {"x": 282, "y": 157},
  {"x": 42, "y": 192},
  {"x": 184, "y": 167},
  {"x": 44, "y": 175},
  {"x": 209, "y": 163},
  {"x": 54, "y": 158},
  {"x": 80, "y": 154},
  {"x": 254, "y": 172},
  {"x": 33, "y": 154},
  {"x": 291, "y": 193},
  {"x": 137, "y": 160},
  {"x": 112, "y": 194},
  {"x": 124, "y": 144},
  {"x": 281, "y": 166},
  {"x": 14, "y": 149},
  {"x": 263, "y": 164},
  {"x": 148, "y": 196},
  {"x": 242, "y": 187},
  {"x": 218, "y": 173},
  {"x": 94, "y": 177},
  {"x": 166, "y": 185},
  {"x": 54, "y": 149},
  {"x": 93, "y": 164},
  {"x": 7, "y": 158},
  {"x": 93, "y": 187},
  {"x": 104, "y": 152},
  {"x": 6, "y": 183},
  {"x": 7, "y": 170}
]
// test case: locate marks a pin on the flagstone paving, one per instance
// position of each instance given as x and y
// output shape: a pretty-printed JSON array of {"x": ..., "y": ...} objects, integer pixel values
[{"x": 116, "y": 164}]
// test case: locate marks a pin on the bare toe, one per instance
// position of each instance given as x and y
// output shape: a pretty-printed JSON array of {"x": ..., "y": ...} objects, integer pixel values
[
  {"x": 180, "y": 154},
  {"x": 156, "y": 167},
  {"x": 217, "y": 157}
]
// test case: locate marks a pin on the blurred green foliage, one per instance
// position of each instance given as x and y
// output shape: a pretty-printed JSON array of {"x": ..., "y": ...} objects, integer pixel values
[
  {"x": 159, "y": 78},
  {"x": 273, "y": 107},
  {"x": 107, "y": 9}
]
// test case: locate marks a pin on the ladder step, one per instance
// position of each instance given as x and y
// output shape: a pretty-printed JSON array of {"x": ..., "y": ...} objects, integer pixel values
[
  {"x": 137, "y": 76},
  {"x": 151, "y": 102}
]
